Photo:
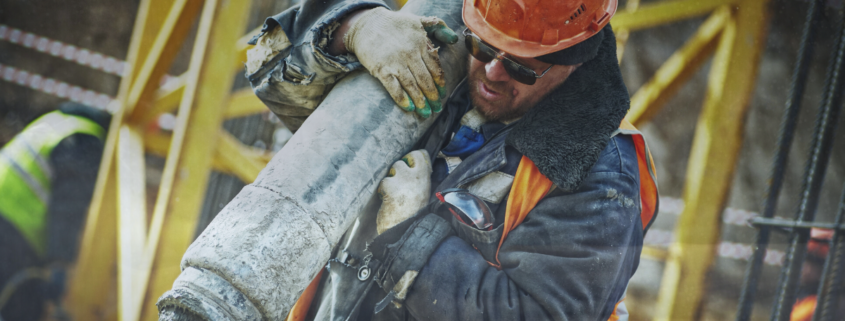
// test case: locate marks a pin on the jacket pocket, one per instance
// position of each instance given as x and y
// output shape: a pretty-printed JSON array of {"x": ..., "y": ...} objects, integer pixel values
[{"x": 486, "y": 242}]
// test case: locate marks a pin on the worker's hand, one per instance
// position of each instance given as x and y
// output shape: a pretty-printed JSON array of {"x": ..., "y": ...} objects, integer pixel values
[
  {"x": 395, "y": 48},
  {"x": 405, "y": 189}
]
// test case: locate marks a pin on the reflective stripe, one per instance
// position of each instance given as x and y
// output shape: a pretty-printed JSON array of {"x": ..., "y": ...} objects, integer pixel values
[
  {"x": 42, "y": 193},
  {"x": 26, "y": 174},
  {"x": 39, "y": 160}
]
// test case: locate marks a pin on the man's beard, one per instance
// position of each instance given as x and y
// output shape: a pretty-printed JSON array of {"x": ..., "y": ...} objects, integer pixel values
[{"x": 502, "y": 109}]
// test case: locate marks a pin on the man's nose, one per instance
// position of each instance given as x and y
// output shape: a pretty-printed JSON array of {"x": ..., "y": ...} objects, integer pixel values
[{"x": 496, "y": 71}]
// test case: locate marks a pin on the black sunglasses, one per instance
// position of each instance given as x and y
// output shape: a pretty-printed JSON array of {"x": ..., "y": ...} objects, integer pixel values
[{"x": 486, "y": 53}]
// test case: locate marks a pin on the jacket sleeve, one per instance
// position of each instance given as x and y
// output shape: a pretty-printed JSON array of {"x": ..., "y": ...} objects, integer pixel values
[
  {"x": 75, "y": 162},
  {"x": 289, "y": 68},
  {"x": 571, "y": 259}
]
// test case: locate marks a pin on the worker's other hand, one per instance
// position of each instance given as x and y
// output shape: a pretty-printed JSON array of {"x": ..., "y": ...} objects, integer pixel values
[
  {"x": 405, "y": 189},
  {"x": 395, "y": 48}
]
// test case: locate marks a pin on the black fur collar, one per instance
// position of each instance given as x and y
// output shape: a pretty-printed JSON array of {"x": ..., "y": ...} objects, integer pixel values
[{"x": 565, "y": 133}]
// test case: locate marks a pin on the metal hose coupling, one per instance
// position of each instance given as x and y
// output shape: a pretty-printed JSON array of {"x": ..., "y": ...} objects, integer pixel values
[{"x": 199, "y": 294}]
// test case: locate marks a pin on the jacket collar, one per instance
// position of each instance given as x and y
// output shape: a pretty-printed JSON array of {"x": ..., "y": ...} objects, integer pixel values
[{"x": 565, "y": 133}]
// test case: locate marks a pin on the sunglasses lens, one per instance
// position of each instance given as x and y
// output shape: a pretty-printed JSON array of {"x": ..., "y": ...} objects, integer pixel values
[
  {"x": 518, "y": 72},
  {"x": 479, "y": 50},
  {"x": 484, "y": 53}
]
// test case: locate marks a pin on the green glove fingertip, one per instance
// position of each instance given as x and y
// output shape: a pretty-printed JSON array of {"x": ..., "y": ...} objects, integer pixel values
[
  {"x": 411, "y": 106},
  {"x": 445, "y": 34},
  {"x": 425, "y": 112},
  {"x": 441, "y": 91},
  {"x": 408, "y": 160},
  {"x": 436, "y": 105}
]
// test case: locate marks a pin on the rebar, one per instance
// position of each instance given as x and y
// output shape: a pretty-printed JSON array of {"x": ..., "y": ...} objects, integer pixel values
[
  {"x": 785, "y": 136},
  {"x": 832, "y": 274},
  {"x": 814, "y": 177}
]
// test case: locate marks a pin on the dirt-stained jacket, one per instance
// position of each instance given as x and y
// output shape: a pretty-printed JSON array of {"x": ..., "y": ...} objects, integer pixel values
[{"x": 570, "y": 259}]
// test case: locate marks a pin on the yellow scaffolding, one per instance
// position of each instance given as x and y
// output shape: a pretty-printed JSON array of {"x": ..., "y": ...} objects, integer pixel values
[
  {"x": 128, "y": 260},
  {"x": 734, "y": 35},
  {"x": 122, "y": 256}
]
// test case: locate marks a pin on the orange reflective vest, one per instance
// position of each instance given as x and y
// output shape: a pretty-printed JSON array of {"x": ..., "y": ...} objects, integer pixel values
[{"x": 529, "y": 187}]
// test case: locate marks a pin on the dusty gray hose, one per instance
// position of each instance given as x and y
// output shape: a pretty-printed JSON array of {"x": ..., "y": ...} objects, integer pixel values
[{"x": 265, "y": 247}]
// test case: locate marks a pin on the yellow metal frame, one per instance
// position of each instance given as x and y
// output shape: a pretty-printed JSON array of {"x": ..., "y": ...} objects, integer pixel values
[
  {"x": 734, "y": 35},
  {"x": 129, "y": 258}
]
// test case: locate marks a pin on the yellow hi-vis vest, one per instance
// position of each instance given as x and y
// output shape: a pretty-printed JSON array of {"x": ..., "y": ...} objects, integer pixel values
[{"x": 26, "y": 174}]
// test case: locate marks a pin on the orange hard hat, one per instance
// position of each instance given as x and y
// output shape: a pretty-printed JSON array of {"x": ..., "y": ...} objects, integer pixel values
[{"x": 532, "y": 28}]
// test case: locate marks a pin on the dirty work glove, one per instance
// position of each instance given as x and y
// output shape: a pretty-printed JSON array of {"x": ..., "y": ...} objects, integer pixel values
[
  {"x": 405, "y": 189},
  {"x": 395, "y": 48}
]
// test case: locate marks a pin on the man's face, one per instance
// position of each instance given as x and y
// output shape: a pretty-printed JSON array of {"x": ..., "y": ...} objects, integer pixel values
[{"x": 498, "y": 97}]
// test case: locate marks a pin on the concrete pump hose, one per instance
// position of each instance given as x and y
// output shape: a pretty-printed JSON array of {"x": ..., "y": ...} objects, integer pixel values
[{"x": 264, "y": 248}]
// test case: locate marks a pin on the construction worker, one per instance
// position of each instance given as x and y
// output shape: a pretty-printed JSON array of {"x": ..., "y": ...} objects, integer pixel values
[
  {"x": 818, "y": 248},
  {"x": 528, "y": 198},
  {"x": 47, "y": 176}
]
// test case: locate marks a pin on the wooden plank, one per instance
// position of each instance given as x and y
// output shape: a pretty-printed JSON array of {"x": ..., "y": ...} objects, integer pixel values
[
  {"x": 185, "y": 175},
  {"x": 168, "y": 41},
  {"x": 132, "y": 220},
  {"x": 663, "y": 12},
  {"x": 244, "y": 103},
  {"x": 715, "y": 150},
  {"x": 675, "y": 72}
]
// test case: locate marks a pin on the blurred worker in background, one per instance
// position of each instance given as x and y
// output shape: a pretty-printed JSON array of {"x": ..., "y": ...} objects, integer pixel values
[
  {"x": 47, "y": 177},
  {"x": 818, "y": 248},
  {"x": 529, "y": 196}
]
